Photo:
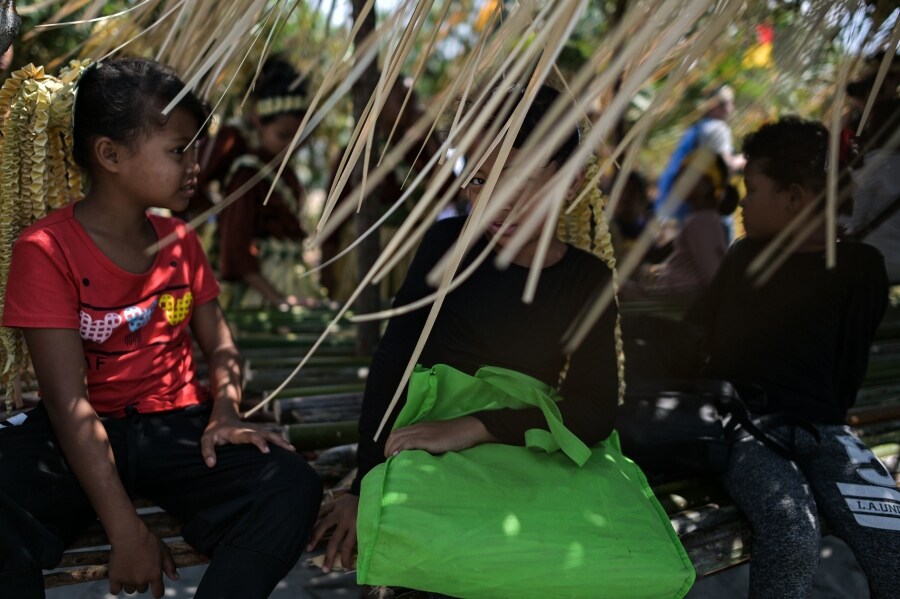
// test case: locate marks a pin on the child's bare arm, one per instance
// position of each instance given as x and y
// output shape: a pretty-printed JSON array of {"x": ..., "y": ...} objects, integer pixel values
[
  {"x": 440, "y": 436},
  {"x": 214, "y": 338},
  {"x": 258, "y": 282},
  {"x": 138, "y": 557},
  {"x": 225, "y": 426}
]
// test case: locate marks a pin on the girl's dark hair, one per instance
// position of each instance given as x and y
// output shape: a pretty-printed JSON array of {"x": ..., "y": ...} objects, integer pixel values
[
  {"x": 727, "y": 196},
  {"x": 728, "y": 201},
  {"x": 790, "y": 151},
  {"x": 123, "y": 99},
  {"x": 543, "y": 100},
  {"x": 278, "y": 77}
]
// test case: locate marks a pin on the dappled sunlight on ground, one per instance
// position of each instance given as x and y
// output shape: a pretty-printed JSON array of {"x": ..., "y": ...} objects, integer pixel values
[
  {"x": 839, "y": 577},
  {"x": 303, "y": 582}
]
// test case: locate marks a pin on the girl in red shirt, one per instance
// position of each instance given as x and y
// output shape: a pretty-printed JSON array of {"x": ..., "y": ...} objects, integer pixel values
[{"x": 122, "y": 412}]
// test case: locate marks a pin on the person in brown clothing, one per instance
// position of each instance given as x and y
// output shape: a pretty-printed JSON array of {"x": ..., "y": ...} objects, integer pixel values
[{"x": 260, "y": 242}]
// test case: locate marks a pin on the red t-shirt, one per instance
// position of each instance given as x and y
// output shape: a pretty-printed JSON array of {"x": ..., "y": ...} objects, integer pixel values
[{"x": 134, "y": 327}]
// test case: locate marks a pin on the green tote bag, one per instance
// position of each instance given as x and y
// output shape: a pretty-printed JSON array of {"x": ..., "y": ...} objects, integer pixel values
[{"x": 552, "y": 519}]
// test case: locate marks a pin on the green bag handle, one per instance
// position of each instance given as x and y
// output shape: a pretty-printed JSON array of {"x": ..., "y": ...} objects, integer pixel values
[{"x": 492, "y": 388}]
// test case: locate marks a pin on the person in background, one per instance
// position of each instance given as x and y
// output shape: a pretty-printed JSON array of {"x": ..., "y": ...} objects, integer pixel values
[
  {"x": 631, "y": 213},
  {"x": 227, "y": 141},
  {"x": 260, "y": 243},
  {"x": 859, "y": 90},
  {"x": 701, "y": 243},
  {"x": 712, "y": 132}
]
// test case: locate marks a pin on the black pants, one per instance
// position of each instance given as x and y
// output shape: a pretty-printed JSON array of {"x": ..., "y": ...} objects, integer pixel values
[{"x": 251, "y": 514}]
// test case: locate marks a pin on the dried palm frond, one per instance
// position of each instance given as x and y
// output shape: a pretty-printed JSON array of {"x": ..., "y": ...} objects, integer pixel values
[{"x": 663, "y": 45}]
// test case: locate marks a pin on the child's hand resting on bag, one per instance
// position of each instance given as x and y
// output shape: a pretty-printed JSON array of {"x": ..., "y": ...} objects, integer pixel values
[{"x": 439, "y": 437}]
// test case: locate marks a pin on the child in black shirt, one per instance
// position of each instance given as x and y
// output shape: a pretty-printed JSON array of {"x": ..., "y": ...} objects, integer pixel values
[
  {"x": 484, "y": 321},
  {"x": 804, "y": 337}
]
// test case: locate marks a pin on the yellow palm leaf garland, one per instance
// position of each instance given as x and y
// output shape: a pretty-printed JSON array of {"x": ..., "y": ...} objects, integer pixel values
[
  {"x": 38, "y": 175},
  {"x": 586, "y": 228}
]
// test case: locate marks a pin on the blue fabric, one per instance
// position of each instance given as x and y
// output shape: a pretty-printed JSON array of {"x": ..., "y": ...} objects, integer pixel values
[{"x": 688, "y": 143}]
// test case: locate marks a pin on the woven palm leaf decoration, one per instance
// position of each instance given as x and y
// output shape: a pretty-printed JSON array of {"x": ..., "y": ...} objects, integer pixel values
[
  {"x": 37, "y": 175},
  {"x": 586, "y": 227}
]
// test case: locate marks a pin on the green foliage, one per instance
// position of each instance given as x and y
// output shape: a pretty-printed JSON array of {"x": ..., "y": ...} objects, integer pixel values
[{"x": 47, "y": 46}]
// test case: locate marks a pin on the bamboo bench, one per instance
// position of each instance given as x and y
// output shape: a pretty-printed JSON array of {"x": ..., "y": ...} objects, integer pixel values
[
  {"x": 87, "y": 560},
  {"x": 271, "y": 343},
  {"x": 714, "y": 533}
]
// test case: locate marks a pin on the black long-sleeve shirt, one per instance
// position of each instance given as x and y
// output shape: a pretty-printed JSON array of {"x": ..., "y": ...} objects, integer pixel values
[
  {"x": 804, "y": 336},
  {"x": 485, "y": 323}
]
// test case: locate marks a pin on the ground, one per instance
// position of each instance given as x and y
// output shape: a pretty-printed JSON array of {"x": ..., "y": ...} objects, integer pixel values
[{"x": 839, "y": 578}]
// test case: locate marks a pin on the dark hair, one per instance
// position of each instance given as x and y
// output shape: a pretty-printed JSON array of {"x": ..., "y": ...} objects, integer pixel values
[
  {"x": 123, "y": 99},
  {"x": 726, "y": 195},
  {"x": 278, "y": 77},
  {"x": 730, "y": 197},
  {"x": 790, "y": 151},
  {"x": 884, "y": 121},
  {"x": 543, "y": 100},
  {"x": 729, "y": 201},
  {"x": 862, "y": 87},
  {"x": 638, "y": 183}
]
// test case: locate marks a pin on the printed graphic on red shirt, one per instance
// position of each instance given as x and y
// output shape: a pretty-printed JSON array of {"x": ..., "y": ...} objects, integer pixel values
[
  {"x": 99, "y": 324},
  {"x": 176, "y": 310},
  {"x": 137, "y": 318},
  {"x": 101, "y": 329},
  {"x": 137, "y": 341}
]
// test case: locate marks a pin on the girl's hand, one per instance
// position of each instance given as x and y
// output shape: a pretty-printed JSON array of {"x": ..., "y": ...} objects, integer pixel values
[
  {"x": 137, "y": 561},
  {"x": 339, "y": 515},
  {"x": 232, "y": 430},
  {"x": 439, "y": 437}
]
